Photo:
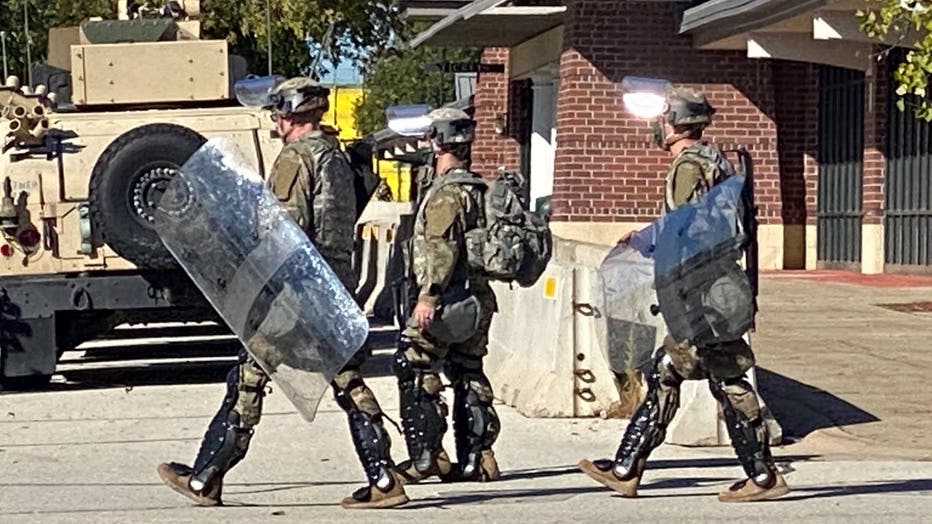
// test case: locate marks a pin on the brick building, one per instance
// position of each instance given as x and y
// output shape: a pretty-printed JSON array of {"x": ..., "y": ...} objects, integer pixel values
[{"x": 842, "y": 177}]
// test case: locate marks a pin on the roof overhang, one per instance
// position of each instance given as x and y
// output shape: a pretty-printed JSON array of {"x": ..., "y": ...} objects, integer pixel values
[
  {"x": 817, "y": 31},
  {"x": 483, "y": 23},
  {"x": 428, "y": 10}
]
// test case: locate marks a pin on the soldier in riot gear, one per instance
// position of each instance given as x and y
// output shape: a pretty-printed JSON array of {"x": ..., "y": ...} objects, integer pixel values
[
  {"x": 313, "y": 181},
  {"x": 698, "y": 166},
  {"x": 450, "y": 298}
]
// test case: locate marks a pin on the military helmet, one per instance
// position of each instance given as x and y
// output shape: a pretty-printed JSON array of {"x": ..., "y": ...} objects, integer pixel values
[
  {"x": 298, "y": 95},
  {"x": 687, "y": 107},
  {"x": 450, "y": 126}
]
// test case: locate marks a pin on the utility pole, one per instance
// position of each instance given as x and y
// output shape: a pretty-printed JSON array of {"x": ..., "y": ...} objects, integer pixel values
[
  {"x": 6, "y": 69},
  {"x": 268, "y": 30},
  {"x": 28, "y": 42}
]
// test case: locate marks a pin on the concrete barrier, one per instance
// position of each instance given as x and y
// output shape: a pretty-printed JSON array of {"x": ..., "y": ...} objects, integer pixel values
[
  {"x": 545, "y": 358},
  {"x": 377, "y": 258},
  {"x": 545, "y": 353}
]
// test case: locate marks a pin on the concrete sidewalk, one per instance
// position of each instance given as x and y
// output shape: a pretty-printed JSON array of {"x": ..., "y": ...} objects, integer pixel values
[
  {"x": 830, "y": 354},
  {"x": 89, "y": 456},
  {"x": 852, "y": 351}
]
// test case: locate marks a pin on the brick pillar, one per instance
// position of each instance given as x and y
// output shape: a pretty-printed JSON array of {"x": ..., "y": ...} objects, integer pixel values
[
  {"x": 606, "y": 171},
  {"x": 493, "y": 99},
  {"x": 797, "y": 97},
  {"x": 875, "y": 161}
]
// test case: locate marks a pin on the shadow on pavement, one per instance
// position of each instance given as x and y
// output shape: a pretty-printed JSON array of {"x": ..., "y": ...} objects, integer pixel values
[
  {"x": 783, "y": 461},
  {"x": 272, "y": 486},
  {"x": 901, "y": 486},
  {"x": 501, "y": 496},
  {"x": 801, "y": 409},
  {"x": 135, "y": 364},
  {"x": 137, "y": 375}
]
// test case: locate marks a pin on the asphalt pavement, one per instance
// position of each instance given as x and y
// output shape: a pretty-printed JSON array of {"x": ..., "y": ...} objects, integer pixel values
[{"x": 86, "y": 450}]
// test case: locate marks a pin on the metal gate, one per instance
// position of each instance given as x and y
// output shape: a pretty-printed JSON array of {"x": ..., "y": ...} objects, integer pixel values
[
  {"x": 908, "y": 195},
  {"x": 841, "y": 154}
]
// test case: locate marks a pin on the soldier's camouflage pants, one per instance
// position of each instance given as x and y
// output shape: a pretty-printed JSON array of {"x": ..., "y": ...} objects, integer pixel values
[
  {"x": 474, "y": 418},
  {"x": 246, "y": 388},
  {"x": 725, "y": 365},
  {"x": 461, "y": 361}
]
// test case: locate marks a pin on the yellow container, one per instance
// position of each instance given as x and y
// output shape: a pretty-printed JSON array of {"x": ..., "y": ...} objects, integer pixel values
[{"x": 343, "y": 100}]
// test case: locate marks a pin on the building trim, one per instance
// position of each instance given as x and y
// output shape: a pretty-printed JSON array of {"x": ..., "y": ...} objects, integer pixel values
[
  {"x": 720, "y": 19},
  {"x": 491, "y": 10}
]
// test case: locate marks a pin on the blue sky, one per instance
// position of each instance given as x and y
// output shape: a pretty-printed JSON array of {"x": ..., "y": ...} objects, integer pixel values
[{"x": 345, "y": 74}]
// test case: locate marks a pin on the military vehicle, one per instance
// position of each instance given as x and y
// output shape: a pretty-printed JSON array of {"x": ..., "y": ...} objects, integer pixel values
[{"x": 84, "y": 159}]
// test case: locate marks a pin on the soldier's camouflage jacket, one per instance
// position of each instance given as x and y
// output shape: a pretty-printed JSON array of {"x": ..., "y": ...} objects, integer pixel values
[
  {"x": 314, "y": 182},
  {"x": 443, "y": 219},
  {"x": 694, "y": 171}
]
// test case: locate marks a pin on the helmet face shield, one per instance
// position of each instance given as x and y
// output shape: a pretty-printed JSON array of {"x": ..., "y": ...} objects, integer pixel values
[
  {"x": 256, "y": 91},
  {"x": 409, "y": 120},
  {"x": 645, "y": 98},
  {"x": 281, "y": 96}
]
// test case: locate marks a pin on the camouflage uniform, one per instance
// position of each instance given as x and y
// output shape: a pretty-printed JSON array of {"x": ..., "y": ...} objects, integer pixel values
[
  {"x": 324, "y": 205},
  {"x": 693, "y": 172},
  {"x": 314, "y": 182},
  {"x": 442, "y": 276}
]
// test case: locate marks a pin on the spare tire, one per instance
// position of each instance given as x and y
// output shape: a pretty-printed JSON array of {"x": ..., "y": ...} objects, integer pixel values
[{"x": 127, "y": 183}]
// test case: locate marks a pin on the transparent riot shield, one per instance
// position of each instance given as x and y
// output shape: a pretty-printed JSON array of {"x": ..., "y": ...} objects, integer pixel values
[
  {"x": 703, "y": 294},
  {"x": 624, "y": 293},
  {"x": 260, "y": 272}
]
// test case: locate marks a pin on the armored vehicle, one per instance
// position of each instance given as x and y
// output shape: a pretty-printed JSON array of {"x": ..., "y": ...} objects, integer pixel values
[{"x": 85, "y": 157}]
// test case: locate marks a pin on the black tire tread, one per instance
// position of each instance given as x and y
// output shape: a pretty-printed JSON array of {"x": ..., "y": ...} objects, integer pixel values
[{"x": 134, "y": 253}]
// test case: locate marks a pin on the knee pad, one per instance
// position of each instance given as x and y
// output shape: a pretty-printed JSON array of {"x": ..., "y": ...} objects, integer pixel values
[
  {"x": 403, "y": 369},
  {"x": 351, "y": 393},
  {"x": 250, "y": 395},
  {"x": 664, "y": 371},
  {"x": 413, "y": 372}
]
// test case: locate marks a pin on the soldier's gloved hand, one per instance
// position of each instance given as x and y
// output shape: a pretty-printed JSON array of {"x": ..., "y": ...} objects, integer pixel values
[{"x": 423, "y": 314}]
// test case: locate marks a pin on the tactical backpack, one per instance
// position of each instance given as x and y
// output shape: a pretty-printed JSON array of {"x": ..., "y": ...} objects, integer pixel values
[
  {"x": 365, "y": 181},
  {"x": 511, "y": 243}
]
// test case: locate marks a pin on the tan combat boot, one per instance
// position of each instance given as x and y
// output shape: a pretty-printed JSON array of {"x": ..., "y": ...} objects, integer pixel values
[
  {"x": 748, "y": 491},
  {"x": 440, "y": 466},
  {"x": 488, "y": 467},
  {"x": 373, "y": 497},
  {"x": 601, "y": 472},
  {"x": 178, "y": 478},
  {"x": 486, "y": 470}
]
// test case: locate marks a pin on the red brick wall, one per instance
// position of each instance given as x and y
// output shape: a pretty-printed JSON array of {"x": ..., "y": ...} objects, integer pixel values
[
  {"x": 605, "y": 168},
  {"x": 796, "y": 86},
  {"x": 492, "y": 98},
  {"x": 875, "y": 125}
]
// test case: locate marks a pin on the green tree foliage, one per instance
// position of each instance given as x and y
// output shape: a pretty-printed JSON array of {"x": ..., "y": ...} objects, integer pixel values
[
  {"x": 42, "y": 16},
  {"x": 358, "y": 28},
  {"x": 401, "y": 76},
  {"x": 902, "y": 20}
]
